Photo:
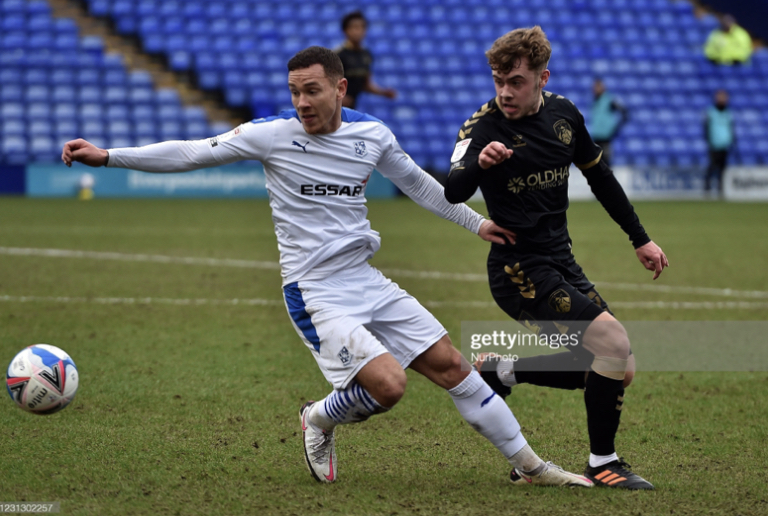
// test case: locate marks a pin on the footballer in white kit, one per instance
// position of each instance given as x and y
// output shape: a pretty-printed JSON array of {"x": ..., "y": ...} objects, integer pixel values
[{"x": 362, "y": 329}]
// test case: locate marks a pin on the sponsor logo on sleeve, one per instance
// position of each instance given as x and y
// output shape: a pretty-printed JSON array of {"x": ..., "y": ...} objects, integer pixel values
[
  {"x": 460, "y": 150},
  {"x": 216, "y": 140},
  {"x": 563, "y": 131}
]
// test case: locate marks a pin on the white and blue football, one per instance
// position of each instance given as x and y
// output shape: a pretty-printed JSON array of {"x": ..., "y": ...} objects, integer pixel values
[{"x": 42, "y": 379}]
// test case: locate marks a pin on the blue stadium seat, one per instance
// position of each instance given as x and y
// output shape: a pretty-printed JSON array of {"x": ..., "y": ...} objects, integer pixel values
[
  {"x": 13, "y": 127},
  {"x": 37, "y": 93},
  {"x": 171, "y": 130},
  {"x": 142, "y": 113},
  {"x": 111, "y": 61},
  {"x": 14, "y": 150},
  {"x": 117, "y": 112},
  {"x": 117, "y": 142},
  {"x": 114, "y": 77},
  {"x": 11, "y": 93},
  {"x": 122, "y": 8},
  {"x": 117, "y": 127},
  {"x": 65, "y": 111},
  {"x": 169, "y": 112},
  {"x": 13, "y": 7},
  {"x": 193, "y": 10},
  {"x": 194, "y": 114},
  {"x": 93, "y": 129},
  {"x": 38, "y": 110},
  {"x": 38, "y": 7},
  {"x": 209, "y": 80},
  {"x": 146, "y": 129},
  {"x": 88, "y": 77},
  {"x": 44, "y": 148},
  {"x": 99, "y": 8},
  {"x": 128, "y": 25},
  {"x": 164, "y": 96},
  {"x": 196, "y": 131},
  {"x": 141, "y": 95},
  {"x": 13, "y": 22},
  {"x": 146, "y": 140},
  {"x": 115, "y": 94},
  {"x": 36, "y": 76},
  {"x": 91, "y": 111},
  {"x": 93, "y": 45}
]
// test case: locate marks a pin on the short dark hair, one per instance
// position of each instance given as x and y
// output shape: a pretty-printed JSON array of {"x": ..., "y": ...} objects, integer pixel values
[
  {"x": 326, "y": 57},
  {"x": 349, "y": 18}
]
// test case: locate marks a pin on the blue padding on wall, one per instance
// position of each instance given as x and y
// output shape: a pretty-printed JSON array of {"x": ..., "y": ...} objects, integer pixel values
[{"x": 12, "y": 179}]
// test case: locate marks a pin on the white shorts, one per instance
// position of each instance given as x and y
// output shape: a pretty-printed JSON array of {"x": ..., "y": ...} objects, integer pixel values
[{"x": 355, "y": 315}]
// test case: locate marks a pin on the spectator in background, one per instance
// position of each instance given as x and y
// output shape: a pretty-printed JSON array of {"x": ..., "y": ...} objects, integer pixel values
[
  {"x": 729, "y": 44},
  {"x": 720, "y": 135},
  {"x": 607, "y": 117},
  {"x": 357, "y": 61}
]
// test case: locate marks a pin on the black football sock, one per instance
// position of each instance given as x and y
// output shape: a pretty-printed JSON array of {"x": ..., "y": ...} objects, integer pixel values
[
  {"x": 560, "y": 370},
  {"x": 604, "y": 398}
]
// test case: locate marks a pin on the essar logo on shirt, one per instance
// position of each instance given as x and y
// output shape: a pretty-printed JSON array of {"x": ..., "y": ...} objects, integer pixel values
[{"x": 323, "y": 189}]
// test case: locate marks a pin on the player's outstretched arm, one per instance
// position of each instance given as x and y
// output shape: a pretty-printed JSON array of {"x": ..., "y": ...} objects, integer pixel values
[
  {"x": 170, "y": 156},
  {"x": 652, "y": 258},
  {"x": 85, "y": 152}
]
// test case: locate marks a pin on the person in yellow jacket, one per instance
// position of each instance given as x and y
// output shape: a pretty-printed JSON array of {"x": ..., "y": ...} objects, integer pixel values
[{"x": 729, "y": 44}]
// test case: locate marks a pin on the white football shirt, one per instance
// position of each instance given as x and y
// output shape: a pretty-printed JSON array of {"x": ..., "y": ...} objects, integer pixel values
[{"x": 316, "y": 184}]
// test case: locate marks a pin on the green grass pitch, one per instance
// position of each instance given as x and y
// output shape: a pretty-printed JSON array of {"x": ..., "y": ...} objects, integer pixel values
[{"x": 190, "y": 407}]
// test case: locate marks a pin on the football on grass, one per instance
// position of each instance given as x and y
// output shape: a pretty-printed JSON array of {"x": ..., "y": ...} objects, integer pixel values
[{"x": 42, "y": 379}]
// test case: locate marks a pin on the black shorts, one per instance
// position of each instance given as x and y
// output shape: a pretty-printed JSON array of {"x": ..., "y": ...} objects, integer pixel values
[{"x": 546, "y": 293}]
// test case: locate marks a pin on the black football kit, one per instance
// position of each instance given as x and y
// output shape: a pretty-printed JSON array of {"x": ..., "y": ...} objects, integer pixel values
[{"x": 537, "y": 280}]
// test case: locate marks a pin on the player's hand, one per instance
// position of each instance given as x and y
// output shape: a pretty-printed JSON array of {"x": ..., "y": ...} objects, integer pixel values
[
  {"x": 490, "y": 232},
  {"x": 84, "y": 152},
  {"x": 389, "y": 93},
  {"x": 493, "y": 154},
  {"x": 652, "y": 258}
]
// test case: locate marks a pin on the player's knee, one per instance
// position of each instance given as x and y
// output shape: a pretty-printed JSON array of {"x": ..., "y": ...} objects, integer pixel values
[
  {"x": 628, "y": 377},
  {"x": 618, "y": 345},
  {"x": 391, "y": 388},
  {"x": 607, "y": 338},
  {"x": 629, "y": 374}
]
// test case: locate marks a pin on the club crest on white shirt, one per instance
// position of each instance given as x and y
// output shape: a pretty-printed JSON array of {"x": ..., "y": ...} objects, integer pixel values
[{"x": 360, "y": 149}]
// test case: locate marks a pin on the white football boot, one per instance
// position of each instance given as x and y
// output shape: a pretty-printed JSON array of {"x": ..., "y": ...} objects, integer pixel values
[
  {"x": 552, "y": 475},
  {"x": 319, "y": 448}
]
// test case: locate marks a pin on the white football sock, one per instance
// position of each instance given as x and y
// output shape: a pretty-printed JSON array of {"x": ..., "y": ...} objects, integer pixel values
[
  {"x": 340, "y": 407},
  {"x": 601, "y": 460},
  {"x": 487, "y": 413}
]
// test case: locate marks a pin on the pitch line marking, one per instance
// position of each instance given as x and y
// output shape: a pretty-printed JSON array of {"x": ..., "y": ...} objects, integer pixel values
[
  {"x": 141, "y": 301},
  {"x": 431, "y": 275},
  {"x": 153, "y": 258},
  {"x": 658, "y": 305}
]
